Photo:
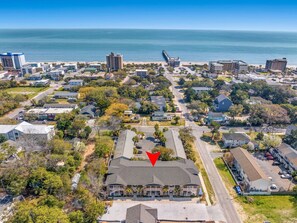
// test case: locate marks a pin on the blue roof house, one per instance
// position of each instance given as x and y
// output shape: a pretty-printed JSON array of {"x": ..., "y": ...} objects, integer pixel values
[{"x": 222, "y": 103}]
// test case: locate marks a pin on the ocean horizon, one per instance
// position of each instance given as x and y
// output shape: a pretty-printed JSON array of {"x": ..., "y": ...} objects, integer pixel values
[{"x": 254, "y": 47}]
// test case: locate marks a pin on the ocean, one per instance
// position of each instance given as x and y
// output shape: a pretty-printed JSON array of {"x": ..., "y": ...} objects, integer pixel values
[{"x": 253, "y": 47}]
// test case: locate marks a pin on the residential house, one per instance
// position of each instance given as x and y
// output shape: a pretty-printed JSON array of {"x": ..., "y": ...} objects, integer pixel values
[
  {"x": 254, "y": 179},
  {"x": 65, "y": 94},
  {"x": 216, "y": 117},
  {"x": 198, "y": 90},
  {"x": 96, "y": 66},
  {"x": 56, "y": 74},
  {"x": 41, "y": 83},
  {"x": 71, "y": 67},
  {"x": 141, "y": 73},
  {"x": 287, "y": 156},
  {"x": 222, "y": 103},
  {"x": 51, "y": 113},
  {"x": 160, "y": 116},
  {"x": 139, "y": 178},
  {"x": 141, "y": 213},
  {"x": 89, "y": 111},
  {"x": 38, "y": 132},
  {"x": 73, "y": 84},
  {"x": 35, "y": 77},
  {"x": 232, "y": 140},
  {"x": 74, "y": 106}
]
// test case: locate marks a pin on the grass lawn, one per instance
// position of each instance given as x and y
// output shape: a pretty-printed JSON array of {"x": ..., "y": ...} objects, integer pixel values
[
  {"x": 62, "y": 101},
  {"x": 205, "y": 177},
  {"x": 224, "y": 78},
  {"x": 276, "y": 209},
  {"x": 226, "y": 175},
  {"x": 30, "y": 91}
]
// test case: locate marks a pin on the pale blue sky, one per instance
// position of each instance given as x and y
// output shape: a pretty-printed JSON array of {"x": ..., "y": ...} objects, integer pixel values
[{"x": 153, "y": 14}]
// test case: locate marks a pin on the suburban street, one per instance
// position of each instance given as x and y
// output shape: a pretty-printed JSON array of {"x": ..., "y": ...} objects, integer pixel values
[{"x": 222, "y": 195}]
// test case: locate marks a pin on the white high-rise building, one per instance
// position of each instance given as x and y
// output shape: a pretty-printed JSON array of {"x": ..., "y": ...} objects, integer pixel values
[{"x": 12, "y": 61}]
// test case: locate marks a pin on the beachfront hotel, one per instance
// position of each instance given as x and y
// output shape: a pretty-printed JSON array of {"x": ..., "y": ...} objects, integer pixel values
[
  {"x": 12, "y": 61},
  {"x": 277, "y": 65},
  {"x": 114, "y": 62}
]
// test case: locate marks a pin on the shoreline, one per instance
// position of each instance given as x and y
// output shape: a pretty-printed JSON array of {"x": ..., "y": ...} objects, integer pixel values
[{"x": 184, "y": 63}]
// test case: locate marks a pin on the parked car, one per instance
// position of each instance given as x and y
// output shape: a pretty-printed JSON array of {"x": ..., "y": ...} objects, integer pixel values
[
  {"x": 273, "y": 187},
  {"x": 285, "y": 176},
  {"x": 282, "y": 172},
  {"x": 239, "y": 178},
  {"x": 270, "y": 158},
  {"x": 276, "y": 163}
]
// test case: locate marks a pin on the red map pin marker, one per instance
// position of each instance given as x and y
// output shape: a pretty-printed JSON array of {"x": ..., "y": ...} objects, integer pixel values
[{"x": 153, "y": 157}]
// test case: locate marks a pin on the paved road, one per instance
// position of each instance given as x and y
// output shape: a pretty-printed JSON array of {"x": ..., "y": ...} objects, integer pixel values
[
  {"x": 13, "y": 114},
  {"x": 222, "y": 195}
]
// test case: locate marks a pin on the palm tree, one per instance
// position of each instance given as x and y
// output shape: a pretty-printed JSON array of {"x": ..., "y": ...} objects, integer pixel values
[
  {"x": 165, "y": 190},
  {"x": 128, "y": 190},
  {"x": 177, "y": 190},
  {"x": 140, "y": 190}
]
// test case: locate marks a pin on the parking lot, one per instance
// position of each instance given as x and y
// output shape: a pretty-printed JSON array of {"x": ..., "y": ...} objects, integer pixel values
[{"x": 273, "y": 172}]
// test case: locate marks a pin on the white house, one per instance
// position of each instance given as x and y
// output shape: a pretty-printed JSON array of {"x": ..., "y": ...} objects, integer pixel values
[
  {"x": 141, "y": 73},
  {"x": 76, "y": 82},
  {"x": 14, "y": 132},
  {"x": 201, "y": 89},
  {"x": 232, "y": 140}
]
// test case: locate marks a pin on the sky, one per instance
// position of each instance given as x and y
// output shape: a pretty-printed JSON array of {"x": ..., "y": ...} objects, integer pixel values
[{"x": 260, "y": 15}]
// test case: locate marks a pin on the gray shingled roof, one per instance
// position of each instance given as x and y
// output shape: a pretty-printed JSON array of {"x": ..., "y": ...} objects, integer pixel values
[
  {"x": 141, "y": 213},
  {"x": 173, "y": 142},
  {"x": 248, "y": 163},
  {"x": 291, "y": 128},
  {"x": 236, "y": 136},
  {"x": 126, "y": 172},
  {"x": 289, "y": 153},
  {"x": 221, "y": 97},
  {"x": 125, "y": 145},
  {"x": 202, "y": 88}
]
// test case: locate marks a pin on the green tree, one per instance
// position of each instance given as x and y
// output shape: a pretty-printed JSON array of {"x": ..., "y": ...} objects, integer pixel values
[
  {"x": 165, "y": 153},
  {"x": 29, "y": 213},
  {"x": 271, "y": 141},
  {"x": 15, "y": 180},
  {"x": 291, "y": 139},
  {"x": 214, "y": 126},
  {"x": 76, "y": 217},
  {"x": 176, "y": 120},
  {"x": 103, "y": 146},
  {"x": 42, "y": 181},
  {"x": 236, "y": 110},
  {"x": 148, "y": 107},
  {"x": 260, "y": 136},
  {"x": 59, "y": 146}
]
